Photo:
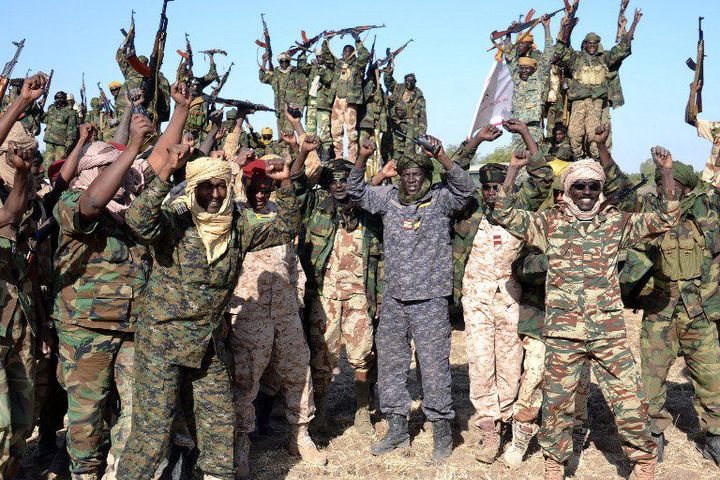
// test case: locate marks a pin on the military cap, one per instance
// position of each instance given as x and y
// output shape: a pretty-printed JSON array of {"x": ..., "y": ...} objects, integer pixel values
[
  {"x": 493, "y": 173},
  {"x": 70, "y": 96},
  {"x": 266, "y": 131}
]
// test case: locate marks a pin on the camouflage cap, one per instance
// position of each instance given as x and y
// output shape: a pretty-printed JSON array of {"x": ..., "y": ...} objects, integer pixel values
[
  {"x": 94, "y": 102},
  {"x": 592, "y": 37},
  {"x": 493, "y": 173},
  {"x": 682, "y": 173},
  {"x": 231, "y": 114}
]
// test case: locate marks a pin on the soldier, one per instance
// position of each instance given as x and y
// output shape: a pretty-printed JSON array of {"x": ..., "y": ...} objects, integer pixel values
[
  {"x": 198, "y": 120},
  {"x": 325, "y": 98},
  {"x": 347, "y": 78},
  {"x": 584, "y": 311},
  {"x": 557, "y": 147},
  {"x": 199, "y": 243},
  {"x": 677, "y": 290},
  {"x": 97, "y": 117},
  {"x": 268, "y": 335},
  {"x": 289, "y": 84},
  {"x": 483, "y": 253},
  {"x": 709, "y": 131},
  {"x": 134, "y": 80},
  {"x": 61, "y": 131},
  {"x": 418, "y": 281},
  {"x": 100, "y": 272},
  {"x": 591, "y": 92},
  {"x": 373, "y": 123},
  {"x": 265, "y": 144},
  {"x": 407, "y": 111}
]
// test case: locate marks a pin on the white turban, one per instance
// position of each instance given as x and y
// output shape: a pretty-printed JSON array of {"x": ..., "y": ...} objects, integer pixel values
[{"x": 588, "y": 170}]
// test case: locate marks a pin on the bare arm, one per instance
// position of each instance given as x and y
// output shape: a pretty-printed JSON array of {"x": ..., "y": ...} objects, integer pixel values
[
  {"x": 16, "y": 203},
  {"x": 173, "y": 133},
  {"x": 32, "y": 89}
]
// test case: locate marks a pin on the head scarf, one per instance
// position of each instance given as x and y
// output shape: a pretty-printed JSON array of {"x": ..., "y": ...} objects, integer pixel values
[
  {"x": 23, "y": 140},
  {"x": 686, "y": 175},
  {"x": 527, "y": 62},
  {"x": 214, "y": 228},
  {"x": 415, "y": 161},
  {"x": 99, "y": 154},
  {"x": 586, "y": 169}
]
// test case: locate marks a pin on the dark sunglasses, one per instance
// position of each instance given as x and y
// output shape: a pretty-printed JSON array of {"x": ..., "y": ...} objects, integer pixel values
[
  {"x": 594, "y": 186},
  {"x": 487, "y": 188}
]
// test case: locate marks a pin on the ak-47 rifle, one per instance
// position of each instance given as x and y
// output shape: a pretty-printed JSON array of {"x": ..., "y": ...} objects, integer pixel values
[
  {"x": 186, "y": 60},
  {"x": 129, "y": 48},
  {"x": 221, "y": 82},
  {"x": 83, "y": 97},
  {"x": 266, "y": 44},
  {"x": 529, "y": 23},
  {"x": 389, "y": 56},
  {"x": 152, "y": 82},
  {"x": 420, "y": 141},
  {"x": 624, "y": 193},
  {"x": 622, "y": 21},
  {"x": 106, "y": 102},
  {"x": 214, "y": 51},
  {"x": 371, "y": 63},
  {"x": 241, "y": 105},
  {"x": 9, "y": 67},
  {"x": 43, "y": 99},
  {"x": 694, "y": 105},
  {"x": 306, "y": 42},
  {"x": 349, "y": 31}
]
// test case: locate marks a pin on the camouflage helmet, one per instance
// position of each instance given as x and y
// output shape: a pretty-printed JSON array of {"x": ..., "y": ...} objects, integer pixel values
[
  {"x": 493, "y": 173},
  {"x": 231, "y": 114}
]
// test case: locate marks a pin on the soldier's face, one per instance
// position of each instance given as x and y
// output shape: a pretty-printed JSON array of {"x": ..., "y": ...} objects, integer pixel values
[
  {"x": 524, "y": 72},
  {"x": 211, "y": 194},
  {"x": 558, "y": 197},
  {"x": 585, "y": 194},
  {"x": 524, "y": 47},
  {"x": 411, "y": 180},
  {"x": 591, "y": 47},
  {"x": 338, "y": 188},
  {"x": 559, "y": 135},
  {"x": 259, "y": 192},
  {"x": 115, "y": 91},
  {"x": 410, "y": 82},
  {"x": 347, "y": 51},
  {"x": 284, "y": 64},
  {"x": 489, "y": 192}
]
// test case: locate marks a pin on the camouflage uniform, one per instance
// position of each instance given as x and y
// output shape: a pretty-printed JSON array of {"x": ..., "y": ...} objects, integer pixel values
[
  {"x": 267, "y": 334},
  {"x": 198, "y": 120},
  {"x": 313, "y": 87},
  {"x": 711, "y": 131},
  {"x": 592, "y": 91},
  {"x": 418, "y": 280},
  {"x": 373, "y": 123},
  {"x": 161, "y": 111},
  {"x": 407, "y": 113},
  {"x": 678, "y": 293},
  {"x": 324, "y": 105},
  {"x": 98, "y": 118},
  {"x": 61, "y": 133},
  {"x": 584, "y": 316},
  {"x": 180, "y": 334},
  {"x": 290, "y": 86},
  {"x": 347, "y": 78}
]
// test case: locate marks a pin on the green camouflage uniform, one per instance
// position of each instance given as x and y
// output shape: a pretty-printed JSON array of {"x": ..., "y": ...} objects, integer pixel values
[
  {"x": 180, "y": 337},
  {"x": 312, "y": 72},
  {"x": 61, "y": 133},
  {"x": 412, "y": 120},
  {"x": 198, "y": 120},
  {"x": 529, "y": 96},
  {"x": 98, "y": 118},
  {"x": 275, "y": 147},
  {"x": 560, "y": 151},
  {"x": 290, "y": 86},
  {"x": 323, "y": 105},
  {"x": 594, "y": 88},
  {"x": 373, "y": 123},
  {"x": 99, "y": 275},
  {"x": 678, "y": 277},
  {"x": 135, "y": 80},
  {"x": 584, "y": 316}
]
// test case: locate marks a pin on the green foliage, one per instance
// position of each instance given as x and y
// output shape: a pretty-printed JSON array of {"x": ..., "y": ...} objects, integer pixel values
[{"x": 499, "y": 155}]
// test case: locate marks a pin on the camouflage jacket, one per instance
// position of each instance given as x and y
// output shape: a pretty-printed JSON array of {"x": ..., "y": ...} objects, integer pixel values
[
  {"x": 100, "y": 120},
  {"x": 529, "y": 95},
  {"x": 411, "y": 101},
  {"x": 185, "y": 297},
  {"x": 62, "y": 126},
  {"x": 373, "y": 113},
  {"x": 326, "y": 88},
  {"x": 135, "y": 80},
  {"x": 322, "y": 219},
  {"x": 592, "y": 73},
  {"x": 682, "y": 264},
  {"x": 531, "y": 195},
  {"x": 347, "y": 75},
  {"x": 561, "y": 151},
  {"x": 289, "y": 87},
  {"x": 275, "y": 147},
  {"x": 204, "y": 81},
  {"x": 512, "y": 57},
  {"x": 198, "y": 120},
  {"x": 100, "y": 270},
  {"x": 582, "y": 293}
]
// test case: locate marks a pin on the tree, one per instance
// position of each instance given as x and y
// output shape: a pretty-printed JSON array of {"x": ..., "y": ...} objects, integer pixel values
[{"x": 499, "y": 155}]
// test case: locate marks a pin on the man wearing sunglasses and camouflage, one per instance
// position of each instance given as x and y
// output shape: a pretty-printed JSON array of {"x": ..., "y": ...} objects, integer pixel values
[{"x": 584, "y": 311}]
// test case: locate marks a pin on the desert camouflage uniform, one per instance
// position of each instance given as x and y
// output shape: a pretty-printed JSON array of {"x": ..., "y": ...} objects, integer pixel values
[
  {"x": 61, "y": 133},
  {"x": 267, "y": 331},
  {"x": 181, "y": 337},
  {"x": 290, "y": 86},
  {"x": 711, "y": 131},
  {"x": 99, "y": 275},
  {"x": 584, "y": 316},
  {"x": 413, "y": 118}
]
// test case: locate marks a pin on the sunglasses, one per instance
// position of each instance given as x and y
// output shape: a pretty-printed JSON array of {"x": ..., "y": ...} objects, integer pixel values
[
  {"x": 594, "y": 186},
  {"x": 487, "y": 187}
]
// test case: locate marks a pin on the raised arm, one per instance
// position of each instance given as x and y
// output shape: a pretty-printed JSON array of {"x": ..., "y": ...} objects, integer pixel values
[
  {"x": 463, "y": 156},
  {"x": 388, "y": 78},
  {"x": 173, "y": 133},
  {"x": 32, "y": 89},
  {"x": 371, "y": 199},
  {"x": 460, "y": 185},
  {"x": 514, "y": 125},
  {"x": 16, "y": 204},
  {"x": 615, "y": 178}
]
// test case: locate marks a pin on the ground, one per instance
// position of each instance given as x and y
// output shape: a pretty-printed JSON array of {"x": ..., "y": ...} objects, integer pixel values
[{"x": 349, "y": 452}]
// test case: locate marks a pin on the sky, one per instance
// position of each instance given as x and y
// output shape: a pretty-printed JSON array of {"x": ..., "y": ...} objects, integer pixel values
[{"x": 448, "y": 54}]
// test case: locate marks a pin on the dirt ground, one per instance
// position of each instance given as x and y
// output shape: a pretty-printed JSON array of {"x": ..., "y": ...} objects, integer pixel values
[{"x": 349, "y": 452}]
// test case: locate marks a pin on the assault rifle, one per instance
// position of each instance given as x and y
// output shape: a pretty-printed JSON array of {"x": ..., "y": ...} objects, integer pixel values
[
  {"x": 9, "y": 67},
  {"x": 266, "y": 43},
  {"x": 186, "y": 59},
  {"x": 221, "y": 82},
  {"x": 622, "y": 21},
  {"x": 522, "y": 26},
  {"x": 45, "y": 94},
  {"x": 106, "y": 102},
  {"x": 349, "y": 31},
  {"x": 420, "y": 141},
  {"x": 151, "y": 85},
  {"x": 241, "y": 105},
  {"x": 306, "y": 42},
  {"x": 390, "y": 56},
  {"x": 214, "y": 51},
  {"x": 694, "y": 105},
  {"x": 83, "y": 98},
  {"x": 624, "y": 193}
]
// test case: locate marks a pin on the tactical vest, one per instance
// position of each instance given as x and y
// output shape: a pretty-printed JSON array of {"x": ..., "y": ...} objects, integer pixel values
[
  {"x": 592, "y": 75},
  {"x": 682, "y": 251}
]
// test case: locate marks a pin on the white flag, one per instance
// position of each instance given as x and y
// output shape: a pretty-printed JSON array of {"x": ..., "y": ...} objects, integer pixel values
[{"x": 496, "y": 99}]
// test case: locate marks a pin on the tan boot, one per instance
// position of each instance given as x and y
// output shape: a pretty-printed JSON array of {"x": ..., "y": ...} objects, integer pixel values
[
  {"x": 553, "y": 470},
  {"x": 489, "y": 444},
  {"x": 515, "y": 451},
  {"x": 362, "y": 412},
  {"x": 644, "y": 470},
  {"x": 242, "y": 456},
  {"x": 302, "y": 445}
]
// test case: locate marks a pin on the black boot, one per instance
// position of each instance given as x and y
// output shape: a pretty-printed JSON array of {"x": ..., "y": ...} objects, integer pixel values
[
  {"x": 711, "y": 449},
  {"x": 442, "y": 440},
  {"x": 397, "y": 436},
  {"x": 660, "y": 441},
  {"x": 263, "y": 410}
]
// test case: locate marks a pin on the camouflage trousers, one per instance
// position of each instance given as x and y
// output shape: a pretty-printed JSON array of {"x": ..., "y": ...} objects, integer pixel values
[
  {"x": 90, "y": 363},
  {"x": 529, "y": 401},
  {"x": 323, "y": 128},
  {"x": 555, "y": 115},
  {"x": 585, "y": 116},
  {"x": 536, "y": 131},
  {"x": 17, "y": 391},
  {"x": 311, "y": 122},
  {"x": 276, "y": 343},
  {"x": 208, "y": 409},
  {"x": 662, "y": 340},
  {"x": 52, "y": 154},
  {"x": 427, "y": 324},
  {"x": 495, "y": 356},
  {"x": 50, "y": 397},
  {"x": 343, "y": 119},
  {"x": 619, "y": 380},
  {"x": 334, "y": 323}
]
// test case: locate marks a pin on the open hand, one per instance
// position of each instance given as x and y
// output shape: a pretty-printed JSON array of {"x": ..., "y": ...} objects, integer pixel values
[{"x": 178, "y": 156}]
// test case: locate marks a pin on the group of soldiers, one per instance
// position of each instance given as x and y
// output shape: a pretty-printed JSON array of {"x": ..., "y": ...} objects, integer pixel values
[{"x": 165, "y": 289}]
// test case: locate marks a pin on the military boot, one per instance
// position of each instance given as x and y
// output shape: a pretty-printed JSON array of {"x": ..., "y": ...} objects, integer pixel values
[
  {"x": 553, "y": 470},
  {"x": 320, "y": 421},
  {"x": 362, "y": 412},
  {"x": 644, "y": 470},
  {"x": 242, "y": 456},
  {"x": 397, "y": 436},
  {"x": 579, "y": 438},
  {"x": 660, "y": 442},
  {"x": 442, "y": 440},
  {"x": 711, "y": 449},
  {"x": 522, "y": 434},
  {"x": 489, "y": 444},
  {"x": 263, "y": 410},
  {"x": 301, "y": 445}
]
